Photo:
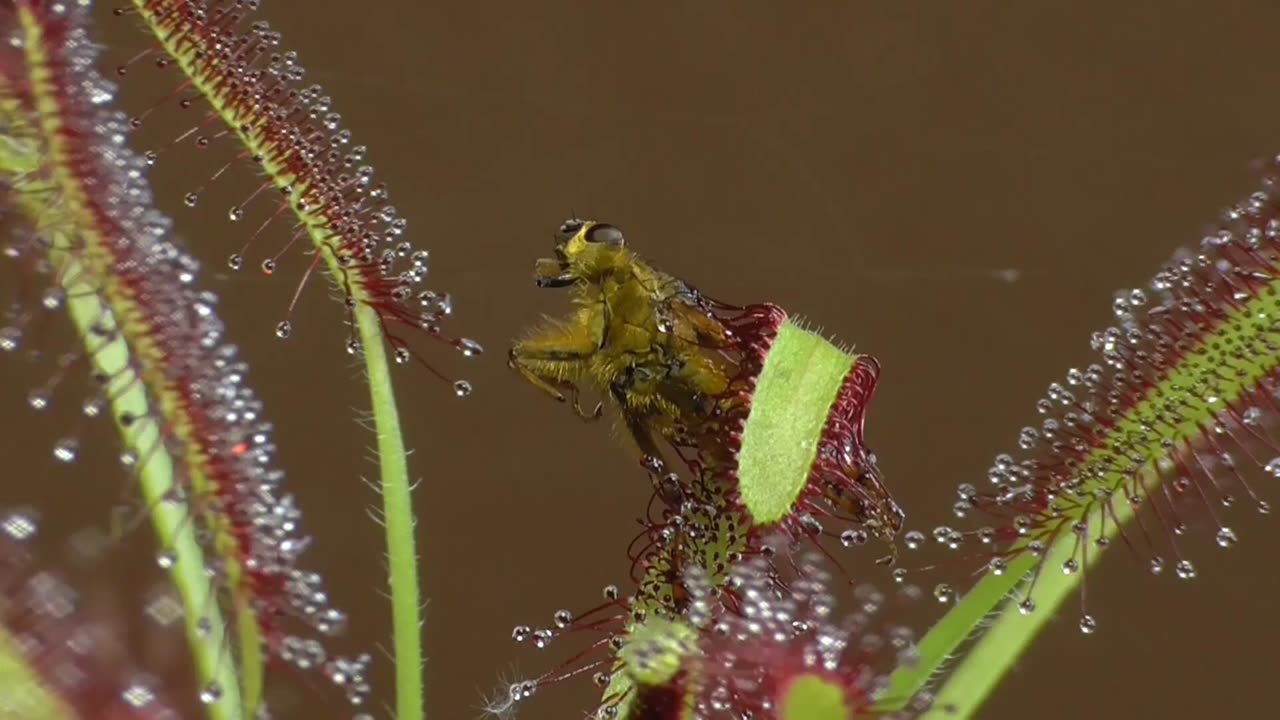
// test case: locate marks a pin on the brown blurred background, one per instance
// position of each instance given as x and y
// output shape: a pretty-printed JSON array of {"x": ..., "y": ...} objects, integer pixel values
[{"x": 870, "y": 165}]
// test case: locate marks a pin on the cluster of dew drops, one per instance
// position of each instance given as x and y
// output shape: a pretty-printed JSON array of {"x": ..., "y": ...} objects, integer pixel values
[
  {"x": 433, "y": 306},
  {"x": 541, "y": 638},
  {"x": 40, "y": 398},
  {"x": 1006, "y": 468},
  {"x": 50, "y": 599}
]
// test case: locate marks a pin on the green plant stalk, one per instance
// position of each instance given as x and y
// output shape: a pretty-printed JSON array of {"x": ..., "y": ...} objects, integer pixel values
[
  {"x": 398, "y": 520},
  {"x": 1011, "y": 632},
  {"x": 953, "y": 629}
]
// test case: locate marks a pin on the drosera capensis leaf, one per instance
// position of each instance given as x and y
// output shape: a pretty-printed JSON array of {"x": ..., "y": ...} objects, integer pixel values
[
  {"x": 291, "y": 134},
  {"x": 45, "y": 117},
  {"x": 781, "y": 435},
  {"x": 194, "y": 433},
  {"x": 288, "y": 132},
  {"x": 801, "y": 456},
  {"x": 1157, "y": 437}
]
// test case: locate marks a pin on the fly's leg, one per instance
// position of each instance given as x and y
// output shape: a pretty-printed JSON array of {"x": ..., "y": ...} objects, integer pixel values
[
  {"x": 555, "y": 358},
  {"x": 575, "y": 394},
  {"x": 666, "y": 484}
]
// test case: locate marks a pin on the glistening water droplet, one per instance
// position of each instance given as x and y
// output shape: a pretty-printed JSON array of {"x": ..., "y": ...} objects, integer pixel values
[
  {"x": 943, "y": 593},
  {"x": 211, "y": 694},
  {"x": 38, "y": 399},
  {"x": 850, "y": 538},
  {"x": 66, "y": 450},
  {"x": 468, "y": 347},
  {"x": 10, "y": 339}
]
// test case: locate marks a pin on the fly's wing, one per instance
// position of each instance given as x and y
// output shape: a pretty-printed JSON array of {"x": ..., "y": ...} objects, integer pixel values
[{"x": 681, "y": 312}]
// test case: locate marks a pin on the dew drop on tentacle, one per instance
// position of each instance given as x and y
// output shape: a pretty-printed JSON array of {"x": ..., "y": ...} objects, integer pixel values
[
  {"x": 92, "y": 406},
  {"x": 38, "y": 399},
  {"x": 211, "y": 693},
  {"x": 1273, "y": 467},
  {"x": 66, "y": 450},
  {"x": 1156, "y": 565},
  {"x": 852, "y": 537},
  {"x": 165, "y": 559},
  {"x": 944, "y": 593},
  {"x": 283, "y": 329},
  {"x": 18, "y": 525},
  {"x": 461, "y": 388},
  {"x": 468, "y": 347},
  {"x": 10, "y": 339},
  {"x": 53, "y": 298},
  {"x": 1088, "y": 625}
]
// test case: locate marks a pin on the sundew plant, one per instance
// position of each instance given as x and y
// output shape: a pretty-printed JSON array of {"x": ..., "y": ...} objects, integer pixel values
[{"x": 775, "y": 572}]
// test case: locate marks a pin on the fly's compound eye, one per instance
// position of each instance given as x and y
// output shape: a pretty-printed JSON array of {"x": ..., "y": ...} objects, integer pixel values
[{"x": 607, "y": 234}]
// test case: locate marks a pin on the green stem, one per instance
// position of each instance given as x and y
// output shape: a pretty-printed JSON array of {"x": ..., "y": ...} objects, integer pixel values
[
  {"x": 1009, "y": 635},
  {"x": 953, "y": 629},
  {"x": 398, "y": 520},
  {"x": 1009, "y": 631}
]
